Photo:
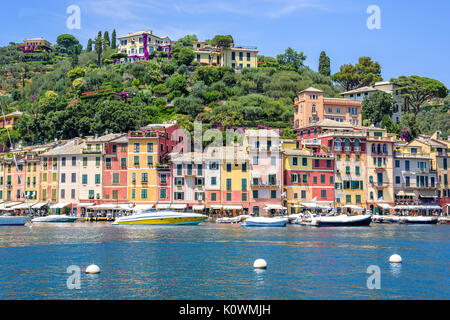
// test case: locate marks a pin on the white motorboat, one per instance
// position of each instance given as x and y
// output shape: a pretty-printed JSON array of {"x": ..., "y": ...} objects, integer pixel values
[
  {"x": 420, "y": 219},
  {"x": 53, "y": 218},
  {"x": 152, "y": 217},
  {"x": 237, "y": 219},
  {"x": 292, "y": 218},
  {"x": 341, "y": 221},
  {"x": 265, "y": 222},
  {"x": 8, "y": 220}
]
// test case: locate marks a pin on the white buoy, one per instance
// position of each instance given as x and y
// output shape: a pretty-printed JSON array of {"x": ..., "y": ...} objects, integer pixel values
[
  {"x": 395, "y": 258},
  {"x": 260, "y": 264},
  {"x": 93, "y": 269}
]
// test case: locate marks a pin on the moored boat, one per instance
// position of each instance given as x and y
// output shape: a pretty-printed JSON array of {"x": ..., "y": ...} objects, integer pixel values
[
  {"x": 292, "y": 218},
  {"x": 265, "y": 222},
  {"x": 420, "y": 219},
  {"x": 236, "y": 219},
  {"x": 342, "y": 221},
  {"x": 152, "y": 217},
  {"x": 54, "y": 218},
  {"x": 8, "y": 220}
]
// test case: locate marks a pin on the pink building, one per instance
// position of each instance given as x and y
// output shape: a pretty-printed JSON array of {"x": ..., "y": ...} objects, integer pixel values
[{"x": 115, "y": 170}]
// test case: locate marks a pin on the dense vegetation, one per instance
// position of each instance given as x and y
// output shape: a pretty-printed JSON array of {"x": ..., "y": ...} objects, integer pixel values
[{"x": 50, "y": 88}]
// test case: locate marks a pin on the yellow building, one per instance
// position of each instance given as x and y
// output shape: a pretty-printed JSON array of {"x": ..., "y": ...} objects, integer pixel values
[
  {"x": 10, "y": 120},
  {"x": 379, "y": 169},
  {"x": 133, "y": 43},
  {"x": 236, "y": 57},
  {"x": 235, "y": 181},
  {"x": 40, "y": 43},
  {"x": 142, "y": 173}
]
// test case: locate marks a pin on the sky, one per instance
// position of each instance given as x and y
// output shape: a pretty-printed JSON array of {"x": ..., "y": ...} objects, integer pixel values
[{"x": 413, "y": 38}]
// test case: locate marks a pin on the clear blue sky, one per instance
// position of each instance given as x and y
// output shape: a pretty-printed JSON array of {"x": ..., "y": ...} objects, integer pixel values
[{"x": 414, "y": 37}]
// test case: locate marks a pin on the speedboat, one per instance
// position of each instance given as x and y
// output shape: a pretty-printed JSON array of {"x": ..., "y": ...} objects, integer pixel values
[
  {"x": 153, "y": 217},
  {"x": 8, "y": 220},
  {"x": 55, "y": 218},
  {"x": 265, "y": 222},
  {"x": 341, "y": 221},
  {"x": 420, "y": 219},
  {"x": 292, "y": 218}
]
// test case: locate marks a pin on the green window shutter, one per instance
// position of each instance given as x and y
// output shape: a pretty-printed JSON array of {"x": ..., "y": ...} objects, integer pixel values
[{"x": 244, "y": 184}]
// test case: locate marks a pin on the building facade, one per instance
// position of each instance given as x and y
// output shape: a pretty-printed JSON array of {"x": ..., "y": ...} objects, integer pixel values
[{"x": 236, "y": 57}]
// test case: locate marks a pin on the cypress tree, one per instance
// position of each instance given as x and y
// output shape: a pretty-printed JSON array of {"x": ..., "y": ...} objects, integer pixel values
[
  {"x": 106, "y": 40},
  {"x": 324, "y": 64},
  {"x": 89, "y": 45},
  {"x": 99, "y": 47},
  {"x": 113, "y": 39}
]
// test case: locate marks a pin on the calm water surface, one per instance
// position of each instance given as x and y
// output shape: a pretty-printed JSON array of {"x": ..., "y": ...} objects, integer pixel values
[{"x": 213, "y": 261}]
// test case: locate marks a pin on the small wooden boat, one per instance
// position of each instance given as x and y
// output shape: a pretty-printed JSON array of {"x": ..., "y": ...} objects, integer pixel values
[
  {"x": 265, "y": 222},
  {"x": 54, "y": 218}
]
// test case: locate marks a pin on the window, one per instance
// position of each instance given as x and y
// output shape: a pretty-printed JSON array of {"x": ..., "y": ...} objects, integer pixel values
[
  {"x": 244, "y": 167},
  {"x": 357, "y": 171},
  {"x": 244, "y": 196},
  {"x": 358, "y": 198},
  {"x": 163, "y": 193},
  {"x": 150, "y": 147},
  {"x": 348, "y": 198},
  {"x": 144, "y": 193},
  {"x": 294, "y": 161},
  {"x": 213, "y": 196},
  {"x": 199, "y": 169},
  {"x": 304, "y": 162},
  {"x": 97, "y": 161},
  {"x": 115, "y": 194},
  {"x": 407, "y": 165},
  {"x": 228, "y": 184},
  {"x": 91, "y": 194},
  {"x": 72, "y": 193},
  {"x": 179, "y": 169},
  {"x": 213, "y": 181},
  {"x": 63, "y": 194},
  {"x": 136, "y": 147},
  {"x": 84, "y": 179},
  {"x": 228, "y": 196},
  {"x": 323, "y": 194},
  {"x": 397, "y": 163},
  {"x": 97, "y": 179},
  {"x": 123, "y": 162},
  {"x": 136, "y": 161},
  {"x": 63, "y": 178},
  {"x": 63, "y": 162},
  {"x": 303, "y": 194},
  {"x": 85, "y": 161},
  {"x": 255, "y": 194},
  {"x": 179, "y": 181},
  {"x": 116, "y": 178},
  {"x": 150, "y": 161},
  {"x": 248, "y": 58},
  {"x": 305, "y": 178},
  {"x": 108, "y": 162},
  {"x": 228, "y": 167},
  {"x": 133, "y": 193}
]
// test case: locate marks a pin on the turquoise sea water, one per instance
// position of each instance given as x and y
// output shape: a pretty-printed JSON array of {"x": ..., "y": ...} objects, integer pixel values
[{"x": 212, "y": 261}]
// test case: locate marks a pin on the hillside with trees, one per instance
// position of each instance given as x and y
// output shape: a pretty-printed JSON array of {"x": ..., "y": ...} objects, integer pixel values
[{"x": 72, "y": 91}]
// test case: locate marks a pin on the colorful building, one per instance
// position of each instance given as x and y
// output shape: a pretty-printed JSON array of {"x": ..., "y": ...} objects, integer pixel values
[
  {"x": 310, "y": 106},
  {"x": 10, "y": 120},
  {"x": 148, "y": 148},
  {"x": 115, "y": 172},
  {"x": 266, "y": 170},
  {"x": 379, "y": 169},
  {"x": 415, "y": 181},
  {"x": 134, "y": 44},
  {"x": 236, "y": 57}
]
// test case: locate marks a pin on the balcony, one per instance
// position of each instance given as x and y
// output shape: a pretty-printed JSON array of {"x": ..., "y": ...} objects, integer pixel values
[
  {"x": 86, "y": 151},
  {"x": 379, "y": 185},
  {"x": 415, "y": 187},
  {"x": 409, "y": 155}
]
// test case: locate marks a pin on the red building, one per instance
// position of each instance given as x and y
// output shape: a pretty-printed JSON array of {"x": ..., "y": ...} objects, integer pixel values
[{"x": 115, "y": 179}]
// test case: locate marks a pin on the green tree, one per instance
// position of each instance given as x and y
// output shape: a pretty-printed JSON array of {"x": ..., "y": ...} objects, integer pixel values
[
  {"x": 409, "y": 127},
  {"x": 291, "y": 59},
  {"x": 67, "y": 41},
  {"x": 366, "y": 72},
  {"x": 99, "y": 47},
  {"x": 378, "y": 104},
  {"x": 188, "y": 105},
  {"x": 89, "y": 45},
  {"x": 222, "y": 41},
  {"x": 324, "y": 64},
  {"x": 187, "y": 41},
  {"x": 184, "y": 56},
  {"x": 76, "y": 73},
  {"x": 417, "y": 90},
  {"x": 114, "y": 39},
  {"x": 106, "y": 40}
]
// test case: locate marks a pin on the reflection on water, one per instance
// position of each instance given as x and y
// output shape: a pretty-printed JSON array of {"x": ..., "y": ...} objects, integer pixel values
[
  {"x": 212, "y": 261},
  {"x": 396, "y": 269}
]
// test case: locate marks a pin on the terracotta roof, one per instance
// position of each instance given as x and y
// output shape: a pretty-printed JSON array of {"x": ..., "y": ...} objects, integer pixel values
[{"x": 311, "y": 89}]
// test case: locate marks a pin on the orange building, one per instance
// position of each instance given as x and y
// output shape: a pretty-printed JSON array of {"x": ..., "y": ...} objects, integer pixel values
[{"x": 310, "y": 106}]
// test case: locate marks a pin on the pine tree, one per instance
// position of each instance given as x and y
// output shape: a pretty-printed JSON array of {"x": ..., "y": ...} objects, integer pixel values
[
  {"x": 106, "y": 41},
  {"x": 89, "y": 45},
  {"x": 113, "y": 39},
  {"x": 324, "y": 64}
]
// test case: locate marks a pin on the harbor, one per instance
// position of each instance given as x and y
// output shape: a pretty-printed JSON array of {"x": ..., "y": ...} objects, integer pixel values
[{"x": 214, "y": 261}]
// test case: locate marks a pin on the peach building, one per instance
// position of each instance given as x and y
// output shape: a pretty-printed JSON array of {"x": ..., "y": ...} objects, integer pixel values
[{"x": 310, "y": 106}]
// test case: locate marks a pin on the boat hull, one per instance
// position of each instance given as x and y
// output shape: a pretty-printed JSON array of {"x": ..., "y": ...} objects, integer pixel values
[
  {"x": 421, "y": 220},
  {"x": 161, "y": 220},
  {"x": 254, "y": 222},
  {"x": 55, "y": 219},
  {"x": 351, "y": 222},
  {"x": 13, "y": 221}
]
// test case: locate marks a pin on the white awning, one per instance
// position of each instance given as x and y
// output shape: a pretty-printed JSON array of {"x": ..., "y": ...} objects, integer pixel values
[
  {"x": 104, "y": 206},
  {"x": 309, "y": 204},
  {"x": 434, "y": 207},
  {"x": 352, "y": 206},
  {"x": 216, "y": 206},
  {"x": 163, "y": 206},
  {"x": 23, "y": 206},
  {"x": 6, "y": 205},
  {"x": 233, "y": 207},
  {"x": 39, "y": 205},
  {"x": 143, "y": 206},
  {"x": 401, "y": 207},
  {"x": 85, "y": 204},
  {"x": 178, "y": 206},
  {"x": 198, "y": 207},
  {"x": 384, "y": 206},
  {"x": 274, "y": 207},
  {"x": 59, "y": 205},
  {"x": 124, "y": 206}
]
